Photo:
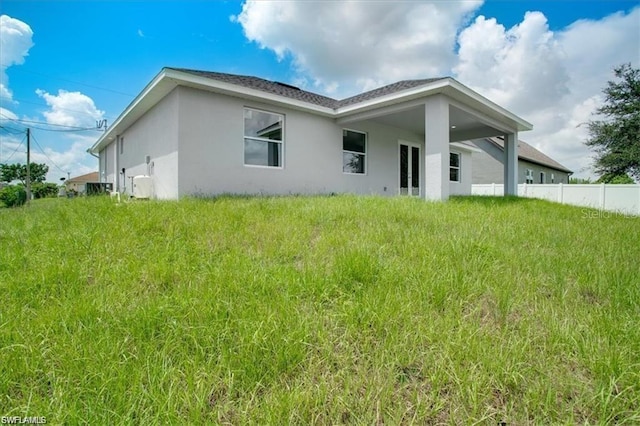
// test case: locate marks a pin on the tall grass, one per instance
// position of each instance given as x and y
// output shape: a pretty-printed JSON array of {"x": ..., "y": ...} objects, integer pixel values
[{"x": 319, "y": 310}]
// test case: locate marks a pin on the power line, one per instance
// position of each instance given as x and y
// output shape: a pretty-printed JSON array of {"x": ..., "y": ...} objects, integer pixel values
[
  {"x": 71, "y": 128},
  {"x": 45, "y": 154},
  {"x": 11, "y": 130},
  {"x": 22, "y": 69},
  {"x": 47, "y": 105},
  {"x": 17, "y": 148}
]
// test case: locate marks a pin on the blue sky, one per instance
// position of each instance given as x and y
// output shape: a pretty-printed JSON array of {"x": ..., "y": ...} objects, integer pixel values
[{"x": 547, "y": 67}]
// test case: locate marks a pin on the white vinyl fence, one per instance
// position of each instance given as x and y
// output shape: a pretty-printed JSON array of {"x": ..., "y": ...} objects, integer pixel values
[{"x": 616, "y": 198}]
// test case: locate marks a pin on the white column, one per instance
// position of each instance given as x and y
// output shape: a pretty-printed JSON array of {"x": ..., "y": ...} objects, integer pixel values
[
  {"x": 436, "y": 148},
  {"x": 511, "y": 164}
]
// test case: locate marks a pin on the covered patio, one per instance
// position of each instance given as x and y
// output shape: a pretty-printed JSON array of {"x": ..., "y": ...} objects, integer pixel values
[{"x": 444, "y": 113}]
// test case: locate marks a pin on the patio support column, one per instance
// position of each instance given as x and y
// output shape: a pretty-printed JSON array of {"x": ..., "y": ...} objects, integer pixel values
[
  {"x": 436, "y": 148},
  {"x": 511, "y": 164}
]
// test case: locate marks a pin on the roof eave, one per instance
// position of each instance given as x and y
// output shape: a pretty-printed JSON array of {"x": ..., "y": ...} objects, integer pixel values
[
  {"x": 521, "y": 124},
  {"x": 187, "y": 79},
  {"x": 108, "y": 135},
  {"x": 393, "y": 98}
]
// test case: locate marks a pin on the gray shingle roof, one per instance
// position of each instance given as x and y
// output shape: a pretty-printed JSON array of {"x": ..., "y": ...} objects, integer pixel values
[
  {"x": 529, "y": 153},
  {"x": 386, "y": 90},
  {"x": 293, "y": 92}
]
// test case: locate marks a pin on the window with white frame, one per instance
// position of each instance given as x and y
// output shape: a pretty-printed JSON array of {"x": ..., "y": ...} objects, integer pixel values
[
  {"x": 354, "y": 152},
  {"x": 528, "y": 176},
  {"x": 263, "y": 138},
  {"x": 553, "y": 178},
  {"x": 454, "y": 167},
  {"x": 542, "y": 176}
]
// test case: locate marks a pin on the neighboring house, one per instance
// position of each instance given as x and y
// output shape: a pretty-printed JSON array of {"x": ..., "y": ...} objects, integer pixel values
[
  {"x": 206, "y": 133},
  {"x": 533, "y": 165},
  {"x": 78, "y": 183}
]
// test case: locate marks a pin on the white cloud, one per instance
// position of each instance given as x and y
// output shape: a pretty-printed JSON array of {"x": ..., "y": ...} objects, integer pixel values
[
  {"x": 553, "y": 80},
  {"x": 73, "y": 159},
  {"x": 140, "y": 33},
  {"x": 6, "y": 115},
  {"x": 70, "y": 109},
  {"x": 349, "y": 46},
  {"x": 15, "y": 42}
]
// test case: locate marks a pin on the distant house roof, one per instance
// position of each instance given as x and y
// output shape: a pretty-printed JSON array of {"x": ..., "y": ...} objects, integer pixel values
[
  {"x": 528, "y": 153},
  {"x": 89, "y": 177},
  {"x": 293, "y": 92}
]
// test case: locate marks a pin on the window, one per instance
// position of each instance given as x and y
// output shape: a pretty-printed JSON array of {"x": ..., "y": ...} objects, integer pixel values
[
  {"x": 121, "y": 145},
  {"x": 553, "y": 178},
  {"x": 454, "y": 167},
  {"x": 541, "y": 177},
  {"x": 354, "y": 152},
  {"x": 528, "y": 176},
  {"x": 263, "y": 133}
]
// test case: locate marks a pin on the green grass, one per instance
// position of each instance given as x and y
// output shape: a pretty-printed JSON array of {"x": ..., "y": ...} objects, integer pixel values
[{"x": 319, "y": 310}]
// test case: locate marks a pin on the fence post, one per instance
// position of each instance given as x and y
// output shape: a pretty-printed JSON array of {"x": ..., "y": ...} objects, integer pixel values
[
  {"x": 524, "y": 189},
  {"x": 560, "y": 194},
  {"x": 602, "y": 194},
  {"x": 493, "y": 189}
]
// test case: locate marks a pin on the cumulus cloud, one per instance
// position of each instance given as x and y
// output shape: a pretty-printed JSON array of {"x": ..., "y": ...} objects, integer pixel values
[
  {"x": 554, "y": 80},
  {"x": 343, "y": 47},
  {"x": 15, "y": 42},
  {"x": 523, "y": 66},
  {"x": 70, "y": 109}
]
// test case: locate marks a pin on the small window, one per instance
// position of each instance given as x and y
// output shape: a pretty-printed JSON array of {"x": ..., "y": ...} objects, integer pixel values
[
  {"x": 542, "y": 177},
  {"x": 121, "y": 145},
  {"x": 553, "y": 178},
  {"x": 354, "y": 152},
  {"x": 528, "y": 176},
  {"x": 454, "y": 167},
  {"x": 263, "y": 138}
]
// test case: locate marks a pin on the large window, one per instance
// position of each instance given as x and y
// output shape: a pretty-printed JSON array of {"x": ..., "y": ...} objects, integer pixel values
[
  {"x": 454, "y": 167},
  {"x": 263, "y": 138},
  {"x": 354, "y": 152}
]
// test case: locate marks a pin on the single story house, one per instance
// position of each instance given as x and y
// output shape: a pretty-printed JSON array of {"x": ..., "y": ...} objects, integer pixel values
[
  {"x": 533, "y": 165},
  {"x": 205, "y": 133},
  {"x": 79, "y": 183}
]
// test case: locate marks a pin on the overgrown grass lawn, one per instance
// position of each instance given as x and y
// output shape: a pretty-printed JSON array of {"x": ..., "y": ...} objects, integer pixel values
[{"x": 319, "y": 310}]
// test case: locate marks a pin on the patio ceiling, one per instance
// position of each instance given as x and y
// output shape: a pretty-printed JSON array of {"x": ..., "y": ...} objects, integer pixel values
[{"x": 463, "y": 125}]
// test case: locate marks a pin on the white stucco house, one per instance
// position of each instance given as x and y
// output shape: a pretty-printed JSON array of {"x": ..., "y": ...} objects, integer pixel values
[{"x": 207, "y": 133}]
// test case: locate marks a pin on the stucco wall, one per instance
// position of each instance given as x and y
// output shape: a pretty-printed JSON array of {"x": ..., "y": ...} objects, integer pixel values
[
  {"x": 467, "y": 161},
  {"x": 155, "y": 135},
  {"x": 211, "y": 157}
]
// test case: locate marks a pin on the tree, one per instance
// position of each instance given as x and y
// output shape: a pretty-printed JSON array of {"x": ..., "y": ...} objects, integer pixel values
[
  {"x": 44, "y": 190},
  {"x": 11, "y": 172},
  {"x": 616, "y": 139},
  {"x": 615, "y": 179}
]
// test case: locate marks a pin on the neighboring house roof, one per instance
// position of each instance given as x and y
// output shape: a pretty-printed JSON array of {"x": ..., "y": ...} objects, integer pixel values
[
  {"x": 528, "y": 153},
  {"x": 89, "y": 177},
  {"x": 293, "y": 97}
]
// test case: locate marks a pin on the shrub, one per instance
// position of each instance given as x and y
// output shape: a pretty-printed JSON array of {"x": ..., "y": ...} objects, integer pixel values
[
  {"x": 44, "y": 190},
  {"x": 13, "y": 196}
]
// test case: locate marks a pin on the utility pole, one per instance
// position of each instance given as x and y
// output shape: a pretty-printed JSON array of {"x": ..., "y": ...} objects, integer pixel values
[{"x": 28, "y": 180}]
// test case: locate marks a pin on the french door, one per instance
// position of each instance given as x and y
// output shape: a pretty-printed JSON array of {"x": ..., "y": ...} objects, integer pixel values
[{"x": 409, "y": 155}]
